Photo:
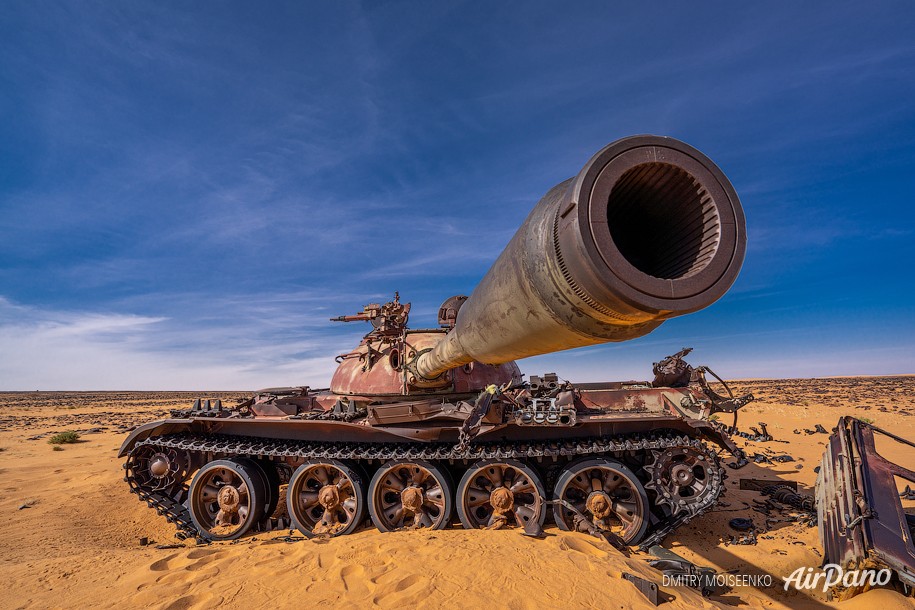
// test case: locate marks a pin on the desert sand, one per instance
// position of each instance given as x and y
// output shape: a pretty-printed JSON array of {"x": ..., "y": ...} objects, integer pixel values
[{"x": 72, "y": 537}]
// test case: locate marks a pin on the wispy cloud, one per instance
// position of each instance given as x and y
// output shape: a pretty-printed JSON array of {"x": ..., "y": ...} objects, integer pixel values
[{"x": 76, "y": 350}]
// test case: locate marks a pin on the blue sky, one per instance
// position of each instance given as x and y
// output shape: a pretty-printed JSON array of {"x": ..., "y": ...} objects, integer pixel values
[{"x": 189, "y": 191}]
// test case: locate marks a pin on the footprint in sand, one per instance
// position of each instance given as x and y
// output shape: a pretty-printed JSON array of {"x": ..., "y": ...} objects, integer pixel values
[
  {"x": 162, "y": 565},
  {"x": 202, "y": 559},
  {"x": 582, "y": 546},
  {"x": 410, "y": 590},
  {"x": 196, "y": 601},
  {"x": 150, "y": 594},
  {"x": 384, "y": 573},
  {"x": 193, "y": 561},
  {"x": 354, "y": 581}
]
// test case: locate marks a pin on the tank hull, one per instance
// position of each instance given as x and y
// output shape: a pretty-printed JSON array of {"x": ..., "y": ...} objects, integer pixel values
[{"x": 624, "y": 427}]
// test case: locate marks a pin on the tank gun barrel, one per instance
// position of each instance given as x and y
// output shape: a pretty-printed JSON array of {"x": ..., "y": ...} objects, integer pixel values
[{"x": 648, "y": 230}]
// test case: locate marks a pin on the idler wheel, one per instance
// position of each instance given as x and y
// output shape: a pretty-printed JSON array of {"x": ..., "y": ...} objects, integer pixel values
[
  {"x": 410, "y": 494},
  {"x": 494, "y": 493},
  {"x": 227, "y": 498},
  {"x": 326, "y": 498},
  {"x": 608, "y": 493},
  {"x": 158, "y": 468}
]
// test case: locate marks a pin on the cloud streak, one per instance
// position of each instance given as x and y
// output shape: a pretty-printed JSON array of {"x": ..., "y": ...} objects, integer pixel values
[{"x": 79, "y": 350}]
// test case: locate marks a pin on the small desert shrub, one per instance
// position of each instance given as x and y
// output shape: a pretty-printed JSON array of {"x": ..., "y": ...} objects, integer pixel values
[
  {"x": 865, "y": 420},
  {"x": 57, "y": 448},
  {"x": 64, "y": 438}
]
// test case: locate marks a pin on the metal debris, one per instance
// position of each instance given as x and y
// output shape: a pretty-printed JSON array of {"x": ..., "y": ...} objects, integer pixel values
[
  {"x": 759, "y": 435},
  {"x": 646, "y": 587},
  {"x": 582, "y": 524},
  {"x": 859, "y": 508},
  {"x": 740, "y": 462},
  {"x": 789, "y": 496},
  {"x": 748, "y": 539},
  {"x": 741, "y": 524},
  {"x": 761, "y": 484}
]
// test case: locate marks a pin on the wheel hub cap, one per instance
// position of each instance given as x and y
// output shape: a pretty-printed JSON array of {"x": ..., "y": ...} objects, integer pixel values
[
  {"x": 501, "y": 499},
  {"x": 228, "y": 499},
  {"x": 329, "y": 497},
  {"x": 412, "y": 498},
  {"x": 159, "y": 466},
  {"x": 599, "y": 504},
  {"x": 682, "y": 474}
]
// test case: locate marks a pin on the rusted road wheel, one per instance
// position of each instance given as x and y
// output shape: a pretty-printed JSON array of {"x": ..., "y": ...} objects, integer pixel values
[
  {"x": 608, "y": 493},
  {"x": 495, "y": 493},
  {"x": 326, "y": 498},
  {"x": 227, "y": 498},
  {"x": 410, "y": 494}
]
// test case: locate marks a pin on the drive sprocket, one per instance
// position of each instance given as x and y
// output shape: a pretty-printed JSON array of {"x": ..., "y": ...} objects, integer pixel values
[{"x": 685, "y": 479}]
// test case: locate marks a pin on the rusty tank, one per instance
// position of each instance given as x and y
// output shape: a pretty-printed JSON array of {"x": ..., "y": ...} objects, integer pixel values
[{"x": 428, "y": 428}]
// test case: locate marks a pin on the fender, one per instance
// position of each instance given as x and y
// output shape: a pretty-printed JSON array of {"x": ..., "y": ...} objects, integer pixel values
[{"x": 153, "y": 428}]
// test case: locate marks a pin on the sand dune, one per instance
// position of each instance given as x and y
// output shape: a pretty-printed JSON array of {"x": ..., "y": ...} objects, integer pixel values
[{"x": 77, "y": 543}]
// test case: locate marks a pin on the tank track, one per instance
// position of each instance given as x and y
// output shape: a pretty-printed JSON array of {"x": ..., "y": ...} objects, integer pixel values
[{"x": 172, "y": 506}]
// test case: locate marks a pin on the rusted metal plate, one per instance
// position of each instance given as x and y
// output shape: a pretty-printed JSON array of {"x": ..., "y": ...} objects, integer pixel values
[
  {"x": 646, "y": 587},
  {"x": 414, "y": 411},
  {"x": 861, "y": 516}
]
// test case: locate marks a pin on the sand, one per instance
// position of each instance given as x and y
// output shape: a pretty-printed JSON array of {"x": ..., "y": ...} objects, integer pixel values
[{"x": 77, "y": 542}]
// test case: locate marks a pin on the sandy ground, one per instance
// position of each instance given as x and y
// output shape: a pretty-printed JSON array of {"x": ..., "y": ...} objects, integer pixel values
[{"x": 76, "y": 542}]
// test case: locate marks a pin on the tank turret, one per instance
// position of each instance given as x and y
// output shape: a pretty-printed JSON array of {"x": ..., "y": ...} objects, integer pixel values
[{"x": 378, "y": 366}]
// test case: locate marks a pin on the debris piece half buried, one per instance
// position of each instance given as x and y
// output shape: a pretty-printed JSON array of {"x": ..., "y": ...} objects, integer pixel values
[{"x": 860, "y": 513}]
